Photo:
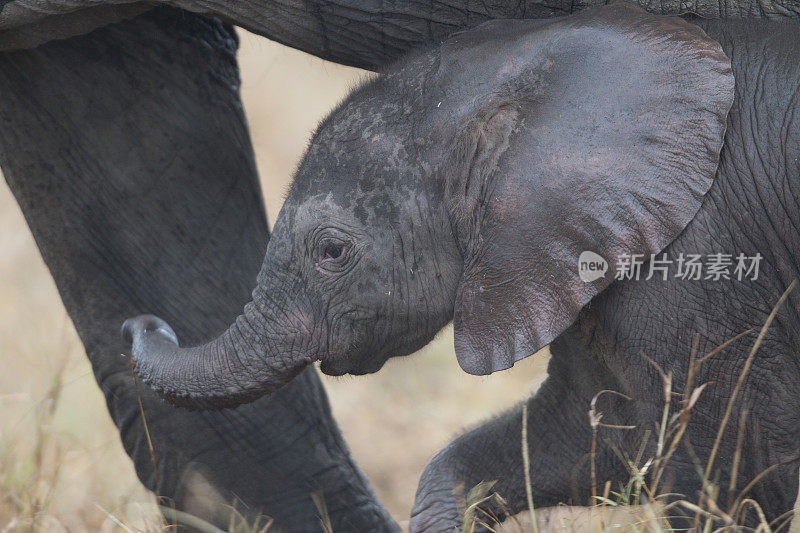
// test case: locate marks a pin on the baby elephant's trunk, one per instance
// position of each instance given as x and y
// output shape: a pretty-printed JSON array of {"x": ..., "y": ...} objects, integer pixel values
[{"x": 237, "y": 367}]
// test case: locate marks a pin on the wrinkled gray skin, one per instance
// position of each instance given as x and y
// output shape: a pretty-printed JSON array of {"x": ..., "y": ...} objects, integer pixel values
[
  {"x": 362, "y": 33},
  {"x": 384, "y": 236},
  {"x": 752, "y": 207},
  {"x": 75, "y": 165}
]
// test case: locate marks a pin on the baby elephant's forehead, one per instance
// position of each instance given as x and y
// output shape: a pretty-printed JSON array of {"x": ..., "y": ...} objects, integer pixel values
[
  {"x": 359, "y": 159},
  {"x": 364, "y": 159},
  {"x": 318, "y": 206},
  {"x": 314, "y": 211},
  {"x": 370, "y": 128},
  {"x": 363, "y": 205}
]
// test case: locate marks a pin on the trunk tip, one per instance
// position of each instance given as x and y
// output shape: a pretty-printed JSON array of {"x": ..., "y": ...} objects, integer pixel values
[{"x": 133, "y": 329}]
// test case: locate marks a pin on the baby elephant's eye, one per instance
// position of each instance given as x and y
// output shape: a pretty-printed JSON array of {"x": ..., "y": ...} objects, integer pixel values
[
  {"x": 332, "y": 255},
  {"x": 332, "y": 252}
]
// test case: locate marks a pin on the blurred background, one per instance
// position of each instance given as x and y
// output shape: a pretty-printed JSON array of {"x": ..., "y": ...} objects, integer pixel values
[{"x": 60, "y": 458}]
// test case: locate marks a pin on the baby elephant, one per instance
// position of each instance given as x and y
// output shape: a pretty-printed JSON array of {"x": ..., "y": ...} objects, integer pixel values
[{"x": 503, "y": 180}]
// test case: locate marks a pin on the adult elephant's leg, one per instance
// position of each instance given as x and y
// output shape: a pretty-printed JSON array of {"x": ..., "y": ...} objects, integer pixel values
[
  {"x": 559, "y": 442},
  {"x": 128, "y": 151}
]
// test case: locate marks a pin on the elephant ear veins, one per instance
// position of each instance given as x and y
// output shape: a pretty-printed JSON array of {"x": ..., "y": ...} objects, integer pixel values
[{"x": 599, "y": 132}]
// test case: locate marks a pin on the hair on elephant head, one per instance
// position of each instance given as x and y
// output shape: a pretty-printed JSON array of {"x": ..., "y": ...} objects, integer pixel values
[{"x": 463, "y": 184}]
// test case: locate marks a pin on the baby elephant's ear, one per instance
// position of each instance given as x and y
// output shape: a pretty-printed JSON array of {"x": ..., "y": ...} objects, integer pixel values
[{"x": 596, "y": 133}]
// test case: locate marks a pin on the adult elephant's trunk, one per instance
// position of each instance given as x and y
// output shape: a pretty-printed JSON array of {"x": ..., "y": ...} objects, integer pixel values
[{"x": 239, "y": 366}]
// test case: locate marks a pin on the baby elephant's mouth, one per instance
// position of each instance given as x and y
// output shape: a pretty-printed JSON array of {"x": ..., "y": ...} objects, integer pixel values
[
  {"x": 339, "y": 366},
  {"x": 333, "y": 368}
]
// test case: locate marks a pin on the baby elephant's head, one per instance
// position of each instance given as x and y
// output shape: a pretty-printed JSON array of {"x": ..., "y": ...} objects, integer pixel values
[{"x": 464, "y": 184}]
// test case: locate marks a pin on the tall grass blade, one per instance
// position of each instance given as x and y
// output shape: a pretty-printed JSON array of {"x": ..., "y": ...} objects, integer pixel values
[{"x": 526, "y": 462}]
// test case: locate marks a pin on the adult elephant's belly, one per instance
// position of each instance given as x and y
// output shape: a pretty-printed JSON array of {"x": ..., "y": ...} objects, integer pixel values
[{"x": 344, "y": 31}]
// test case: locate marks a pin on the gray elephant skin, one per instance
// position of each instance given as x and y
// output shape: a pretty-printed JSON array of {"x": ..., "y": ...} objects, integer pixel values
[
  {"x": 464, "y": 183},
  {"x": 124, "y": 143}
]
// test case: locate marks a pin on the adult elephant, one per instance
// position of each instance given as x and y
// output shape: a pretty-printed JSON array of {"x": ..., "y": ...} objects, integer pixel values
[
  {"x": 470, "y": 181},
  {"x": 124, "y": 142}
]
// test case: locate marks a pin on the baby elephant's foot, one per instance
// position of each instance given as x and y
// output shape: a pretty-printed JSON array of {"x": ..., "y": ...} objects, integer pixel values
[
  {"x": 435, "y": 509},
  {"x": 435, "y": 512},
  {"x": 440, "y": 500}
]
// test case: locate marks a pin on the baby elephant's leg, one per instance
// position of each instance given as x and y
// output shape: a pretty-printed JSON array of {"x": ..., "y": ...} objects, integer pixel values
[{"x": 559, "y": 443}]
